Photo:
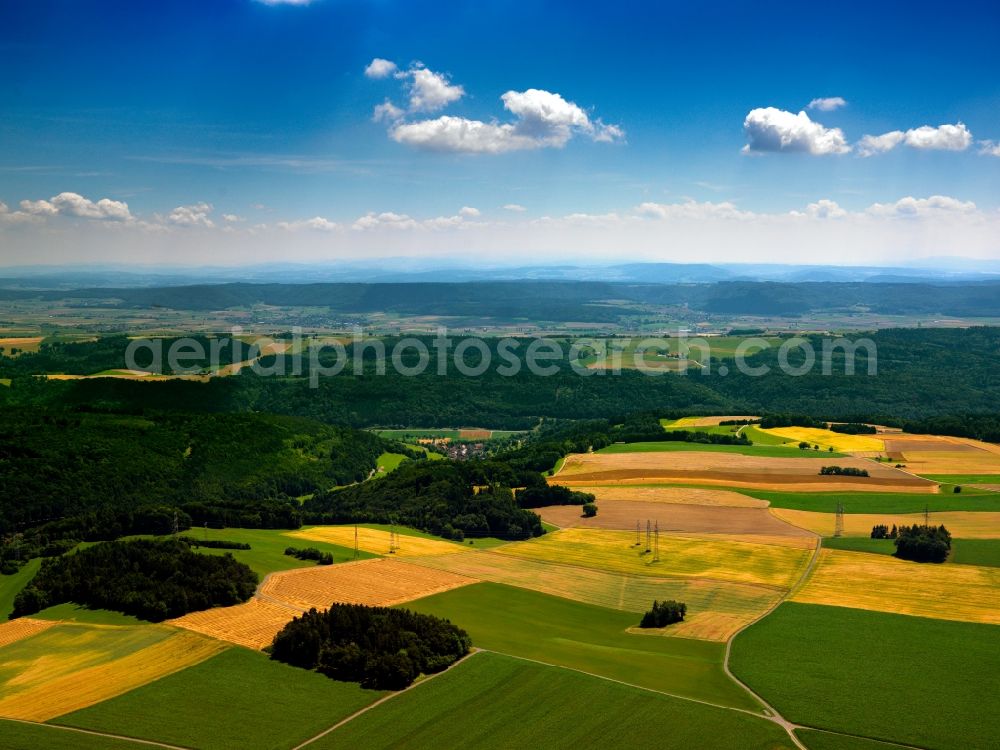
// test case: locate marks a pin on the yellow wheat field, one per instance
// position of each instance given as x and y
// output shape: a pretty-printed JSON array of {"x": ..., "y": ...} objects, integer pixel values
[
  {"x": 882, "y": 583},
  {"x": 961, "y": 524},
  {"x": 253, "y": 624},
  {"x": 776, "y": 565},
  {"x": 24, "y": 627},
  {"x": 376, "y": 541},
  {"x": 378, "y": 583},
  {"x": 73, "y": 689},
  {"x": 703, "y": 421},
  {"x": 716, "y": 609},
  {"x": 672, "y": 495},
  {"x": 828, "y": 439}
]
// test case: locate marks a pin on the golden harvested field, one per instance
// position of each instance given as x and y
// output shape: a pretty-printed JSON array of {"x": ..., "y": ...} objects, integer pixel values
[
  {"x": 734, "y": 469},
  {"x": 882, "y": 583},
  {"x": 23, "y": 627},
  {"x": 51, "y": 685},
  {"x": 474, "y": 434},
  {"x": 703, "y": 421},
  {"x": 716, "y": 609},
  {"x": 23, "y": 343},
  {"x": 380, "y": 582},
  {"x": 828, "y": 439},
  {"x": 377, "y": 541},
  {"x": 696, "y": 519},
  {"x": 675, "y": 495},
  {"x": 776, "y": 565},
  {"x": 253, "y": 624},
  {"x": 961, "y": 524}
]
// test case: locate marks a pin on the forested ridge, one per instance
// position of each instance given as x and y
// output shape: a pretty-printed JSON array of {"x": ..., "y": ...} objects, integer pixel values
[{"x": 922, "y": 374}]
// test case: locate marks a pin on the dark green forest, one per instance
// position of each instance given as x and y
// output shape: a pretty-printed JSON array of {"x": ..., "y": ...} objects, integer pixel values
[
  {"x": 151, "y": 580},
  {"x": 381, "y": 648}
]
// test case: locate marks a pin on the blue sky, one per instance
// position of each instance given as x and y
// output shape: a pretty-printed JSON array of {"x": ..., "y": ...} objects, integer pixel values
[{"x": 620, "y": 113}]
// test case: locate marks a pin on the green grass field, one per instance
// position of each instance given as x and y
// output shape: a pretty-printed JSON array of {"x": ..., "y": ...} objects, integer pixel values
[
  {"x": 267, "y": 548},
  {"x": 817, "y": 740},
  {"x": 905, "y": 679},
  {"x": 964, "y": 478},
  {"x": 70, "y": 612},
  {"x": 415, "y": 433},
  {"x": 494, "y": 702},
  {"x": 878, "y": 502},
  {"x": 758, "y": 437},
  {"x": 16, "y": 735},
  {"x": 387, "y": 462},
  {"x": 768, "y": 451},
  {"x": 236, "y": 700},
  {"x": 10, "y": 586},
  {"x": 558, "y": 631},
  {"x": 976, "y": 552},
  {"x": 860, "y": 544}
]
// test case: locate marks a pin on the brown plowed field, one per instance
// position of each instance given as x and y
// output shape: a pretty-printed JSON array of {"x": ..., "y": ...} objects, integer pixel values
[
  {"x": 696, "y": 467},
  {"x": 673, "y": 495},
  {"x": 699, "y": 519}
]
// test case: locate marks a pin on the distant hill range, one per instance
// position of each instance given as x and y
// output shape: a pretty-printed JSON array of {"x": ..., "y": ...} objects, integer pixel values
[{"x": 557, "y": 300}]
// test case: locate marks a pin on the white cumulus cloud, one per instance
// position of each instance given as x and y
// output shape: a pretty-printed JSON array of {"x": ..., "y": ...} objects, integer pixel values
[
  {"x": 388, "y": 112},
  {"x": 825, "y": 209},
  {"x": 430, "y": 91},
  {"x": 469, "y": 212},
  {"x": 543, "y": 119},
  {"x": 516, "y": 207},
  {"x": 194, "y": 215},
  {"x": 772, "y": 129},
  {"x": 317, "y": 223},
  {"x": 74, "y": 204},
  {"x": 917, "y": 207},
  {"x": 941, "y": 138},
  {"x": 989, "y": 148},
  {"x": 380, "y": 68},
  {"x": 828, "y": 104}
]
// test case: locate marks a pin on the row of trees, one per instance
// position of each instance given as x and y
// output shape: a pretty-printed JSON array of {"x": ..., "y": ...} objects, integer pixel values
[
  {"x": 152, "y": 580},
  {"x": 310, "y": 553},
  {"x": 846, "y": 471},
  {"x": 381, "y": 648}
]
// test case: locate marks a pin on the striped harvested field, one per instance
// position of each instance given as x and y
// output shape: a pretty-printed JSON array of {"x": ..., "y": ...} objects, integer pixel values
[
  {"x": 716, "y": 609},
  {"x": 828, "y": 439},
  {"x": 53, "y": 684},
  {"x": 23, "y": 627},
  {"x": 674, "y": 495},
  {"x": 735, "y": 470},
  {"x": 377, "y": 583},
  {"x": 376, "y": 541},
  {"x": 776, "y": 565},
  {"x": 884, "y": 584},
  {"x": 253, "y": 624},
  {"x": 694, "y": 519},
  {"x": 961, "y": 524}
]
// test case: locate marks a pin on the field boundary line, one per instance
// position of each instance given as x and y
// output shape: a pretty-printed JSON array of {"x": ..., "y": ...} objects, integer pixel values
[
  {"x": 108, "y": 735},
  {"x": 747, "y": 711},
  {"x": 887, "y": 743},
  {"x": 788, "y": 726},
  {"x": 380, "y": 701}
]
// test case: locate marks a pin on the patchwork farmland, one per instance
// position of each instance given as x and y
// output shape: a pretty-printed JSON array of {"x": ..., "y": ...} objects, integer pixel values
[{"x": 740, "y": 539}]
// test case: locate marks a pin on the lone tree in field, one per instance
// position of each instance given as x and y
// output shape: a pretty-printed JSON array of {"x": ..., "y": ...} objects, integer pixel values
[
  {"x": 663, "y": 613},
  {"x": 589, "y": 510}
]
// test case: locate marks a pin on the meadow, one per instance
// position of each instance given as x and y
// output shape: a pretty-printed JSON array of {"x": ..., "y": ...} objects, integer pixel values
[
  {"x": 905, "y": 679},
  {"x": 491, "y": 701},
  {"x": 235, "y": 700},
  {"x": 591, "y": 639},
  {"x": 20, "y": 736},
  {"x": 879, "y": 502},
  {"x": 985, "y": 552}
]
